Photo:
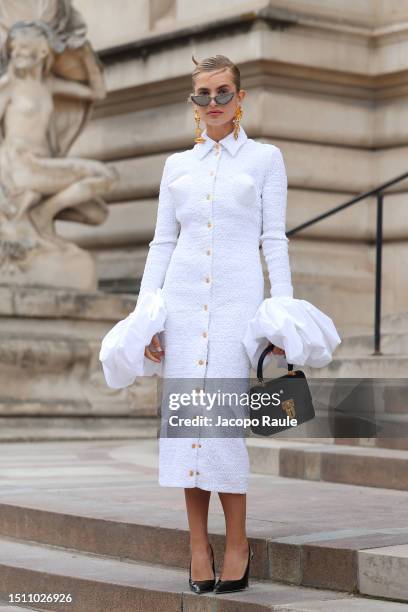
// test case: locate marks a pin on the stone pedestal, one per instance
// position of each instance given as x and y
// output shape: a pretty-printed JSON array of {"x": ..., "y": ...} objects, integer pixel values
[{"x": 64, "y": 266}]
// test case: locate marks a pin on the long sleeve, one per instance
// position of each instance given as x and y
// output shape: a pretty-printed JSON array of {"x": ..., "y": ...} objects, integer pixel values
[
  {"x": 273, "y": 238},
  {"x": 122, "y": 348},
  {"x": 164, "y": 240},
  {"x": 307, "y": 335}
]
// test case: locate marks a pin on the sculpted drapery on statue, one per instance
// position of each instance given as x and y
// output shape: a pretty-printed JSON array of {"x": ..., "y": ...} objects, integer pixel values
[{"x": 50, "y": 80}]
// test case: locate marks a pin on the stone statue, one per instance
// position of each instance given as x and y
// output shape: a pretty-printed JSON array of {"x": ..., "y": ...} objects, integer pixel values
[{"x": 49, "y": 82}]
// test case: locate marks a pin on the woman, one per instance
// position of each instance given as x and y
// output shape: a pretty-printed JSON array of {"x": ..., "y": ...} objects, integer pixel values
[{"x": 203, "y": 289}]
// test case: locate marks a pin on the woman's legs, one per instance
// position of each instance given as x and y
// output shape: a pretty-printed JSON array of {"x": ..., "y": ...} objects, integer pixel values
[
  {"x": 236, "y": 548},
  {"x": 197, "y": 502}
]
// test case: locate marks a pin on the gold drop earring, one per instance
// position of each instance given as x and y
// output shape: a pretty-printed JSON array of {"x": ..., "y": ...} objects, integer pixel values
[
  {"x": 237, "y": 118},
  {"x": 198, "y": 137}
]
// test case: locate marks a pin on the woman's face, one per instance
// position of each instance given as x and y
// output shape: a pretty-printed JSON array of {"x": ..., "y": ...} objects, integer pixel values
[
  {"x": 213, "y": 83},
  {"x": 27, "y": 48}
]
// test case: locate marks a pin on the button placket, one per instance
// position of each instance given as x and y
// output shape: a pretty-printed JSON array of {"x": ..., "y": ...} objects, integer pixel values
[
  {"x": 208, "y": 277},
  {"x": 195, "y": 445},
  {"x": 208, "y": 252}
]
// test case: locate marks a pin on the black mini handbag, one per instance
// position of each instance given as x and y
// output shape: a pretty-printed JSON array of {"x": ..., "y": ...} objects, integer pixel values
[{"x": 286, "y": 398}]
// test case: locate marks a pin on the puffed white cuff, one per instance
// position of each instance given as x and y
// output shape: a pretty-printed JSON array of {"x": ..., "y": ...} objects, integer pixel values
[
  {"x": 307, "y": 335},
  {"x": 122, "y": 348}
]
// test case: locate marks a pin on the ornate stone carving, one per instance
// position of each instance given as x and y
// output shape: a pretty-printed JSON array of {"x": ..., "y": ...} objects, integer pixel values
[{"x": 50, "y": 80}]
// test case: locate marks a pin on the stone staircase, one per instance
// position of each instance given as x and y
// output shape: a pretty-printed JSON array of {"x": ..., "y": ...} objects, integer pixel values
[
  {"x": 354, "y": 356},
  {"x": 88, "y": 518}
]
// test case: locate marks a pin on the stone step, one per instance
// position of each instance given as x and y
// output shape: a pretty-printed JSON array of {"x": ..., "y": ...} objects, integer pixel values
[
  {"x": 392, "y": 343},
  {"x": 347, "y": 300},
  {"x": 390, "y": 443},
  {"x": 100, "y": 584},
  {"x": 400, "y": 444},
  {"x": 397, "y": 322},
  {"x": 368, "y": 366},
  {"x": 384, "y": 571},
  {"x": 57, "y": 303},
  {"x": 352, "y": 605},
  {"x": 353, "y": 465},
  {"x": 328, "y": 259},
  {"x": 394, "y": 338},
  {"x": 6, "y": 607},
  {"x": 39, "y": 428}
]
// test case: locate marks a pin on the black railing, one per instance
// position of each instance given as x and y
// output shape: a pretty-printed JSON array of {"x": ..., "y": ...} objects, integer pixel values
[{"x": 379, "y": 193}]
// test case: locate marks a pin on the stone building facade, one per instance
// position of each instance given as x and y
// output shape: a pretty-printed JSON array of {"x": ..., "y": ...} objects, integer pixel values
[{"x": 326, "y": 81}]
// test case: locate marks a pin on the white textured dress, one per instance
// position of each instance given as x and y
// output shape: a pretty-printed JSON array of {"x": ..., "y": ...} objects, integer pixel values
[{"x": 203, "y": 291}]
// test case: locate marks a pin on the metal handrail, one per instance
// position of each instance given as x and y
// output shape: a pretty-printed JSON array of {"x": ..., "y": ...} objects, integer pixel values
[{"x": 379, "y": 193}]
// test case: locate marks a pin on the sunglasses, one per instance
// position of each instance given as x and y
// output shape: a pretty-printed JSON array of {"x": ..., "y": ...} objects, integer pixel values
[{"x": 205, "y": 99}]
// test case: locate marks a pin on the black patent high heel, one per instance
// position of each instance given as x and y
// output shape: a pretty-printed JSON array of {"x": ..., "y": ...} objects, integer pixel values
[
  {"x": 230, "y": 586},
  {"x": 203, "y": 586}
]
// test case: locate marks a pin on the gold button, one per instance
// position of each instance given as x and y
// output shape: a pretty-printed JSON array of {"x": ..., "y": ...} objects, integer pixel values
[
  {"x": 205, "y": 306},
  {"x": 193, "y": 445},
  {"x": 191, "y": 472},
  {"x": 205, "y": 334},
  {"x": 201, "y": 362},
  {"x": 209, "y": 224},
  {"x": 208, "y": 252}
]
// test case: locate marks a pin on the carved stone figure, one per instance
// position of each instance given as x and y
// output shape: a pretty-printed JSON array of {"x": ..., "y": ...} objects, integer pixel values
[{"x": 50, "y": 80}]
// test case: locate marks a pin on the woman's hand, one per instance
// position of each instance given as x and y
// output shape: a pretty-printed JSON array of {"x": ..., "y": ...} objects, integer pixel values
[
  {"x": 154, "y": 351},
  {"x": 278, "y": 351}
]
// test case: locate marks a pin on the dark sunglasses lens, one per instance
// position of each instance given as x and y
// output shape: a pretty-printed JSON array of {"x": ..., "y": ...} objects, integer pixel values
[
  {"x": 201, "y": 100},
  {"x": 224, "y": 98}
]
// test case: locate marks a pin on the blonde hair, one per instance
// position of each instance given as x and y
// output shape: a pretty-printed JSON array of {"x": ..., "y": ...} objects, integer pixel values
[{"x": 214, "y": 63}]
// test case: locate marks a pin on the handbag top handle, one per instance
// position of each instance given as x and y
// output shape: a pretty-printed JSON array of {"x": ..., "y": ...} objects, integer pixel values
[{"x": 264, "y": 353}]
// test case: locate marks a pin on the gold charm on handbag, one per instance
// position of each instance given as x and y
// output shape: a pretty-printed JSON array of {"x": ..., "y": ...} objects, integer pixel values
[
  {"x": 198, "y": 137},
  {"x": 289, "y": 407},
  {"x": 236, "y": 120}
]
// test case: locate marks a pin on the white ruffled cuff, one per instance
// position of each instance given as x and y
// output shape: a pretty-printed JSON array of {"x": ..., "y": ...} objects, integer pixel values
[
  {"x": 306, "y": 334},
  {"x": 122, "y": 349}
]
